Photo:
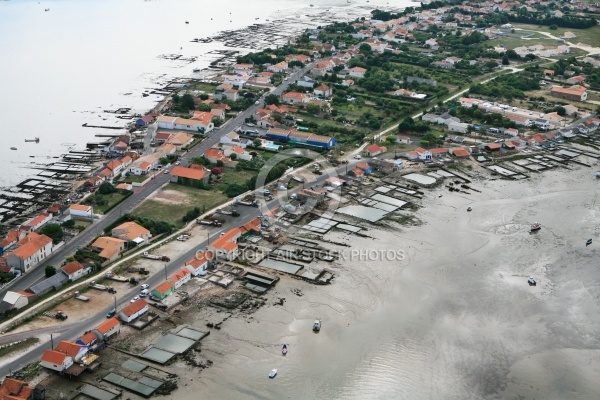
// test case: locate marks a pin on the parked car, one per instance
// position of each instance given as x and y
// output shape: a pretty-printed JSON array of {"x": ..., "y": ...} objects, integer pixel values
[
  {"x": 135, "y": 298},
  {"x": 144, "y": 286},
  {"x": 357, "y": 157},
  {"x": 111, "y": 313},
  {"x": 166, "y": 172}
]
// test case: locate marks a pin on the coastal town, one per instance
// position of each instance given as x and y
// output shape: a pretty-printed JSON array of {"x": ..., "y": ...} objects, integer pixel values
[{"x": 244, "y": 191}]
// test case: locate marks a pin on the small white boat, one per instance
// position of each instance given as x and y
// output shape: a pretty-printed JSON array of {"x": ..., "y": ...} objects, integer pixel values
[
  {"x": 598, "y": 174},
  {"x": 196, "y": 70},
  {"x": 536, "y": 226},
  {"x": 273, "y": 373},
  {"x": 531, "y": 281},
  {"x": 13, "y": 148},
  {"x": 469, "y": 209},
  {"x": 284, "y": 349}
]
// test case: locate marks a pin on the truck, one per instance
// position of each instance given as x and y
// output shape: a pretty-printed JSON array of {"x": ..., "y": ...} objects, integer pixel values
[
  {"x": 155, "y": 257},
  {"x": 139, "y": 270},
  {"x": 79, "y": 296},
  {"x": 247, "y": 201},
  {"x": 233, "y": 212},
  {"x": 56, "y": 315},
  {"x": 210, "y": 222}
]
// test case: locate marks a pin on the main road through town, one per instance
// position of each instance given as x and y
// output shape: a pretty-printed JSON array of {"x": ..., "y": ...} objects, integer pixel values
[
  {"x": 159, "y": 179},
  {"x": 76, "y": 329}
]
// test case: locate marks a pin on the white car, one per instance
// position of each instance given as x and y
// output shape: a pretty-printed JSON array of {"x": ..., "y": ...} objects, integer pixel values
[
  {"x": 144, "y": 286},
  {"x": 329, "y": 188},
  {"x": 135, "y": 298},
  {"x": 166, "y": 172},
  {"x": 357, "y": 157},
  {"x": 249, "y": 124}
]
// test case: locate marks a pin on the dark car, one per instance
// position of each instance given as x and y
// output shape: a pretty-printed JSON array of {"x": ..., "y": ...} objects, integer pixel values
[{"x": 111, "y": 313}]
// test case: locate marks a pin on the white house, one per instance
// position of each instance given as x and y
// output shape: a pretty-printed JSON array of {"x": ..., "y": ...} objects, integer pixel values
[
  {"x": 295, "y": 98},
  {"x": 199, "y": 264},
  {"x": 131, "y": 232},
  {"x": 110, "y": 327},
  {"x": 56, "y": 360},
  {"x": 36, "y": 223},
  {"x": 422, "y": 154},
  {"x": 81, "y": 210},
  {"x": 73, "y": 270},
  {"x": 236, "y": 80},
  {"x": 143, "y": 165},
  {"x": 232, "y": 139},
  {"x": 192, "y": 125},
  {"x": 30, "y": 251},
  {"x": 323, "y": 91},
  {"x": 468, "y": 102},
  {"x": 459, "y": 127},
  {"x": 73, "y": 350},
  {"x": 279, "y": 67},
  {"x": 180, "y": 277},
  {"x": 240, "y": 153},
  {"x": 357, "y": 72},
  {"x": 133, "y": 310},
  {"x": 226, "y": 246},
  {"x": 15, "y": 300}
]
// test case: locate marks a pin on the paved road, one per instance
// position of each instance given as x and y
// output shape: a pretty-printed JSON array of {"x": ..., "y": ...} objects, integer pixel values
[
  {"x": 140, "y": 195},
  {"x": 77, "y": 329}
]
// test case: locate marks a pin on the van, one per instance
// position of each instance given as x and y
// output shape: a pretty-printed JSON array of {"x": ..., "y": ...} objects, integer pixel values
[{"x": 144, "y": 293}]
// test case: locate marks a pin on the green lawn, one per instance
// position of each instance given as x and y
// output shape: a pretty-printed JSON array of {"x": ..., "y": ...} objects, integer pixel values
[
  {"x": 231, "y": 176},
  {"x": 511, "y": 42},
  {"x": 111, "y": 200},
  {"x": 173, "y": 211},
  {"x": 135, "y": 178}
]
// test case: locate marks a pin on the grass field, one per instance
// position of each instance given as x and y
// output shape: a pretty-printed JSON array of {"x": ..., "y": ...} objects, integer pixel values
[
  {"x": 4, "y": 351},
  {"x": 510, "y": 42},
  {"x": 111, "y": 200},
  {"x": 173, "y": 201},
  {"x": 230, "y": 176}
]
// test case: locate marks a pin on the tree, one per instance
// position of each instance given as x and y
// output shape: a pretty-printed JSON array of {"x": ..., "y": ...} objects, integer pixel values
[
  {"x": 53, "y": 231},
  {"x": 203, "y": 107},
  {"x": 505, "y": 60},
  {"x": 187, "y": 102},
  {"x": 257, "y": 142},
  {"x": 50, "y": 271},
  {"x": 272, "y": 99},
  {"x": 313, "y": 109},
  {"x": 106, "y": 188},
  {"x": 561, "y": 111},
  {"x": 233, "y": 156},
  {"x": 216, "y": 171},
  {"x": 69, "y": 224},
  {"x": 428, "y": 139},
  {"x": 220, "y": 163},
  {"x": 234, "y": 190}
]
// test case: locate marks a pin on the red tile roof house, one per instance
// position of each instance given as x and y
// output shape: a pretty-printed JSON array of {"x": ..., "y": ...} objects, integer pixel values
[
  {"x": 374, "y": 150},
  {"x": 163, "y": 290},
  {"x": 30, "y": 251},
  {"x": 36, "y": 223},
  {"x": 55, "y": 360},
  {"x": 14, "y": 389},
  {"x": 226, "y": 246},
  {"x": 199, "y": 264},
  {"x": 295, "y": 98},
  {"x": 73, "y": 270},
  {"x": 110, "y": 327},
  {"x": 214, "y": 155},
  {"x": 74, "y": 350},
  {"x": 180, "y": 277},
  {"x": 189, "y": 176},
  {"x": 133, "y": 310},
  {"x": 89, "y": 339}
]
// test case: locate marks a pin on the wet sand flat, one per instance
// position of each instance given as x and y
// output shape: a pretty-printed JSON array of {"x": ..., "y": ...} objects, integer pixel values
[{"x": 454, "y": 320}]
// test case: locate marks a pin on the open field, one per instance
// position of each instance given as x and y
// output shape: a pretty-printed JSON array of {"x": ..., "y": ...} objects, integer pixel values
[
  {"x": 111, "y": 200},
  {"x": 589, "y": 36},
  {"x": 172, "y": 202},
  {"x": 231, "y": 176}
]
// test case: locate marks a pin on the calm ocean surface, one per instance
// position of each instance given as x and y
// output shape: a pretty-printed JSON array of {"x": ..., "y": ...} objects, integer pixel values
[{"x": 62, "y": 68}]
